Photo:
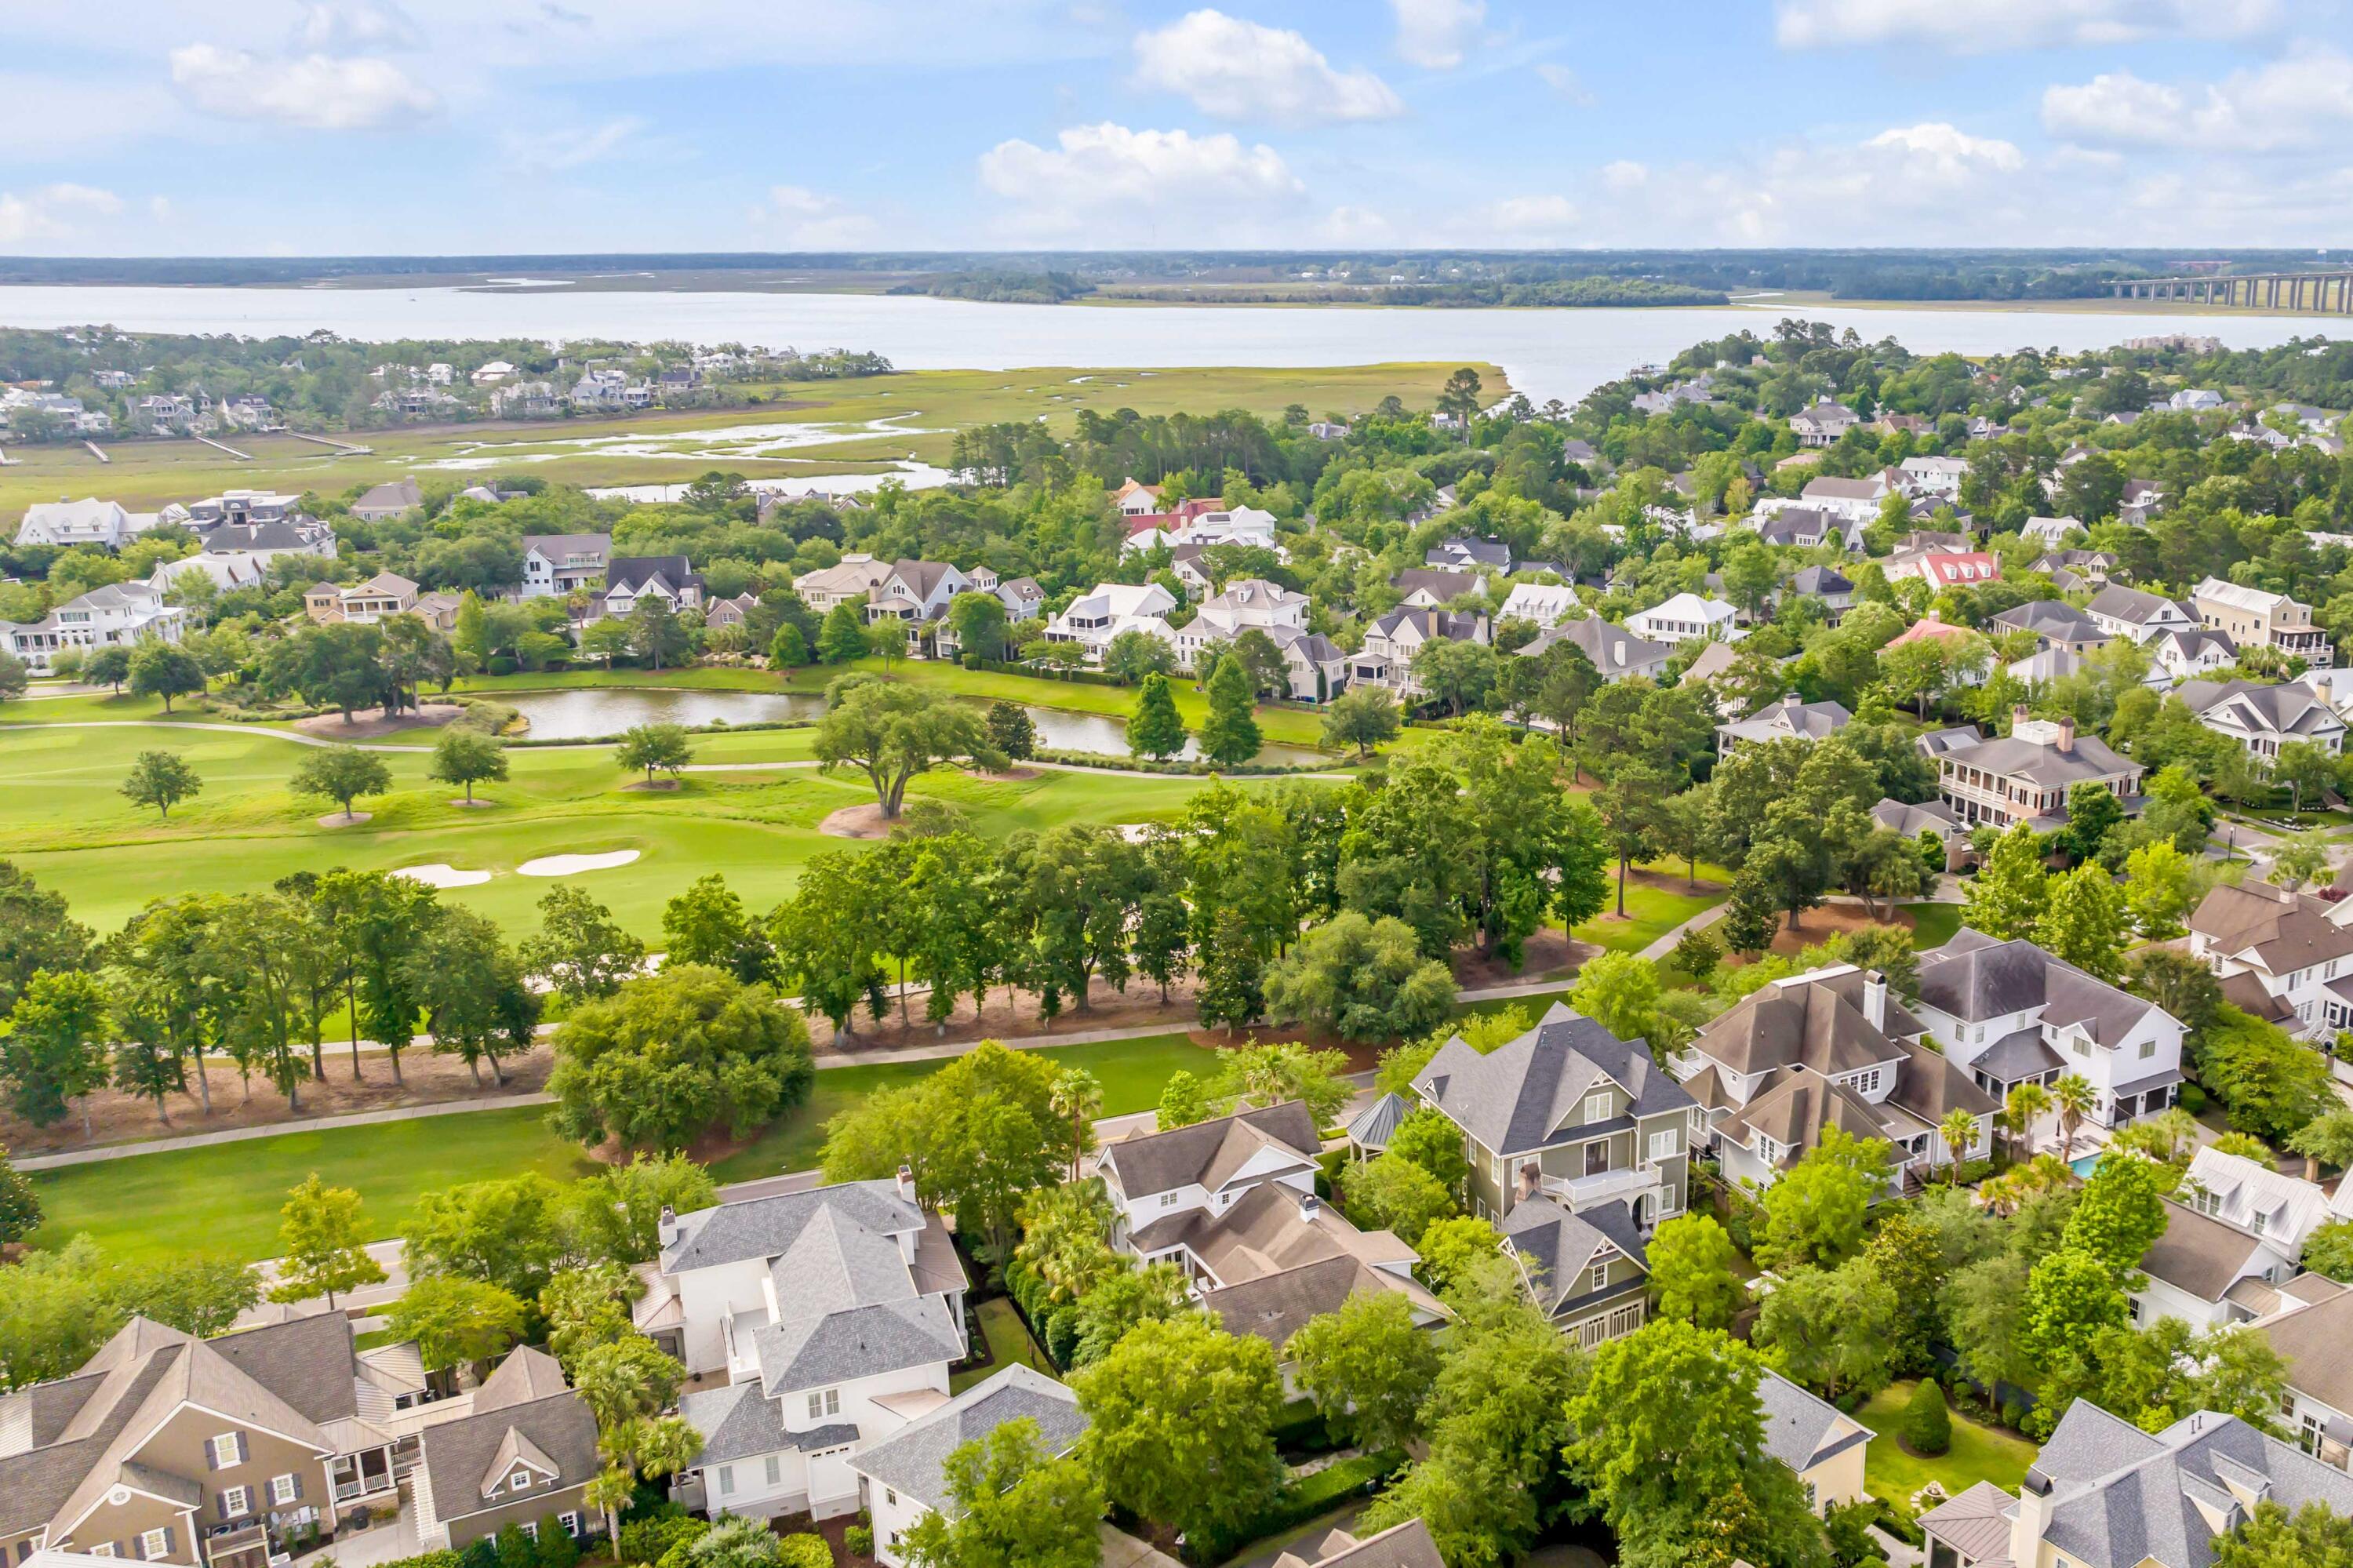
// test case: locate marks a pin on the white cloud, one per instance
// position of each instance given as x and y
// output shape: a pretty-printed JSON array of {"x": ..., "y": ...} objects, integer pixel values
[
  {"x": 52, "y": 212},
  {"x": 1625, "y": 175},
  {"x": 552, "y": 151},
  {"x": 811, "y": 220},
  {"x": 1944, "y": 154},
  {"x": 1983, "y": 27},
  {"x": 321, "y": 92},
  {"x": 1566, "y": 82},
  {"x": 159, "y": 209},
  {"x": 331, "y": 26},
  {"x": 2303, "y": 101},
  {"x": 1356, "y": 226},
  {"x": 1532, "y": 215},
  {"x": 1436, "y": 33},
  {"x": 1091, "y": 169},
  {"x": 1242, "y": 70}
]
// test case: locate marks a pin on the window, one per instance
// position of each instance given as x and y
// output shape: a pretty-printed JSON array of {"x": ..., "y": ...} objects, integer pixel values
[
  {"x": 1596, "y": 1106},
  {"x": 531, "y": 1528},
  {"x": 775, "y": 1471},
  {"x": 1599, "y": 1278},
  {"x": 2148, "y": 1049},
  {"x": 224, "y": 1450},
  {"x": 2132, "y": 1307},
  {"x": 1867, "y": 1082},
  {"x": 726, "y": 1480},
  {"x": 155, "y": 1543},
  {"x": 1663, "y": 1145},
  {"x": 284, "y": 1490},
  {"x": 828, "y": 1403},
  {"x": 569, "y": 1521},
  {"x": 104, "y": 1549},
  {"x": 520, "y": 1481},
  {"x": 236, "y": 1503},
  {"x": 890, "y": 1497},
  {"x": 1168, "y": 1200}
]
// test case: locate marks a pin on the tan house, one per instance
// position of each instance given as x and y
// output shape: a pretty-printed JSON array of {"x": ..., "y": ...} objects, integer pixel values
[
  {"x": 2025, "y": 776},
  {"x": 1823, "y": 1444},
  {"x": 365, "y": 604},
  {"x": 170, "y": 1449},
  {"x": 2253, "y": 617},
  {"x": 521, "y": 1456}
]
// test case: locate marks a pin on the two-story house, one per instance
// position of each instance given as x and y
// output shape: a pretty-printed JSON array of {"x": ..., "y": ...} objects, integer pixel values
[
  {"x": 1390, "y": 643},
  {"x": 2309, "y": 1331},
  {"x": 2256, "y": 618},
  {"x": 1588, "y": 1271},
  {"x": 1942, "y": 568},
  {"x": 1933, "y": 476},
  {"x": 852, "y": 580},
  {"x": 1248, "y": 605},
  {"x": 1853, "y": 500},
  {"x": 2009, "y": 1013},
  {"x": 2280, "y": 955},
  {"x": 2188, "y": 655},
  {"x": 1094, "y": 619},
  {"x": 67, "y": 524},
  {"x": 2264, "y": 718},
  {"x": 1823, "y": 423},
  {"x": 1828, "y": 1048},
  {"x": 2207, "y": 1272},
  {"x": 1541, "y": 605},
  {"x": 203, "y": 1453},
  {"x": 1791, "y": 718},
  {"x": 113, "y": 615},
  {"x": 1614, "y": 651},
  {"x": 2025, "y": 776},
  {"x": 2252, "y": 1196},
  {"x": 2055, "y": 624},
  {"x": 1570, "y": 1112},
  {"x": 1687, "y": 615},
  {"x": 834, "y": 1315},
  {"x": 2104, "y": 1494},
  {"x": 394, "y": 498},
  {"x": 2122, "y": 612},
  {"x": 628, "y": 578},
  {"x": 2077, "y": 571},
  {"x": 1022, "y": 598},
  {"x": 1232, "y": 1203},
  {"x": 916, "y": 593},
  {"x": 554, "y": 564},
  {"x": 903, "y": 1477},
  {"x": 1433, "y": 587},
  {"x": 522, "y": 1453},
  {"x": 363, "y": 604}
]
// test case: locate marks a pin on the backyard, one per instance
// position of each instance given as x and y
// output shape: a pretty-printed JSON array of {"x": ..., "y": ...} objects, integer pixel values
[{"x": 1980, "y": 1453}]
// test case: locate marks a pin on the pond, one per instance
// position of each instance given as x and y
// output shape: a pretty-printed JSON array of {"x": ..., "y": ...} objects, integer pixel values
[{"x": 597, "y": 713}]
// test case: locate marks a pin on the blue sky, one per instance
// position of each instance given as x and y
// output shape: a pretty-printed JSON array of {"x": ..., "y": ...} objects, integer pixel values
[{"x": 438, "y": 126}]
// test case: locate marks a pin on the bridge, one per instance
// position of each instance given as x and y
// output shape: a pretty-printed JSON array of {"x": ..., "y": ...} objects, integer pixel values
[{"x": 2327, "y": 293}]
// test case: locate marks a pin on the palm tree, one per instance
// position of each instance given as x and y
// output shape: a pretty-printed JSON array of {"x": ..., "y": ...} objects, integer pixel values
[
  {"x": 2028, "y": 1102},
  {"x": 1960, "y": 1131},
  {"x": 2074, "y": 1095},
  {"x": 1076, "y": 1094},
  {"x": 608, "y": 1492},
  {"x": 1063, "y": 1238},
  {"x": 667, "y": 1446}
]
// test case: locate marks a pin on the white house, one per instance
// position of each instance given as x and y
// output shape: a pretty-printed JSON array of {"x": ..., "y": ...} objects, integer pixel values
[
  {"x": 2050, "y": 532},
  {"x": 1934, "y": 476},
  {"x": 2121, "y": 611},
  {"x": 834, "y": 1315},
  {"x": 113, "y": 615},
  {"x": 1822, "y": 424},
  {"x": 2280, "y": 955},
  {"x": 227, "y": 572},
  {"x": 1855, "y": 501},
  {"x": 65, "y": 524},
  {"x": 628, "y": 578},
  {"x": 2188, "y": 655},
  {"x": 1546, "y": 604},
  {"x": 1251, "y": 604},
  {"x": 555, "y": 564},
  {"x": 2263, "y": 719},
  {"x": 2194, "y": 400},
  {"x": 2207, "y": 1272},
  {"x": 915, "y": 592},
  {"x": 852, "y": 580},
  {"x": 903, "y": 1477},
  {"x": 1684, "y": 616},
  {"x": 2250, "y": 1194},
  {"x": 2009, "y": 1013},
  {"x": 1391, "y": 643},
  {"x": 1094, "y": 619}
]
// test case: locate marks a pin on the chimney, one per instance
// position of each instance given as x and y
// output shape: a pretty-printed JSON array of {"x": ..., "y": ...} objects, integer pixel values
[
  {"x": 1875, "y": 997},
  {"x": 1310, "y": 1206},
  {"x": 1790, "y": 701},
  {"x": 2018, "y": 715},
  {"x": 2066, "y": 734},
  {"x": 907, "y": 1182},
  {"x": 2033, "y": 1518},
  {"x": 666, "y": 1229}
]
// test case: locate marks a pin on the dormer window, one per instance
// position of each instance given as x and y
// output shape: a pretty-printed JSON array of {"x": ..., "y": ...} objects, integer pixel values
[
  {"x": 1597, "y": 1105},
  {"x": 520, "y": 1481}
]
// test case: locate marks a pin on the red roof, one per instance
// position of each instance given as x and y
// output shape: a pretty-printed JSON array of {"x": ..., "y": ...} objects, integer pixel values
[
  {"x": 1145, "y": 521},
  {"x": 1920, "y": 631}
]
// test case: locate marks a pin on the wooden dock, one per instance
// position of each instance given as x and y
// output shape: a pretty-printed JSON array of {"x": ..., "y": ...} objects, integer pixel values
[
  {"x": 219, "y": 445},
  {"x": 97, "y": 453},
  {"x": 345, "y": 446}
]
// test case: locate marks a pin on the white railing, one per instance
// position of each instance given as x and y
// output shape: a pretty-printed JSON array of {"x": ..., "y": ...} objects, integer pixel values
[{"x": 1578, "y": 1192}]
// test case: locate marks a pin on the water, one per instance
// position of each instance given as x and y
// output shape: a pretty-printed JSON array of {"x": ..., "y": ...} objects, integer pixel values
[
  {"x": 1548, "y": 353},
  {"x": 594, "y": 712}
]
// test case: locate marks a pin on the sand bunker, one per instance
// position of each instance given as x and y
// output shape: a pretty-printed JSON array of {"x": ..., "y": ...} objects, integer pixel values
[
  {"x": 573, "y": 865},
  {"x": 441, "y": 876},
  {"x": 865, "y": 821}
]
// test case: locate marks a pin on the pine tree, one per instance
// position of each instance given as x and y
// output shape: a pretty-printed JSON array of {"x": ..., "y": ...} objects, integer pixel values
[
  {"x": 2007, "y": 896},
  {"x": 1230, "y": 735},
  {"x": 1229, "y": 991},
  {"x": 1155, "y": 729},
  {"x": 842, "y": 637}
]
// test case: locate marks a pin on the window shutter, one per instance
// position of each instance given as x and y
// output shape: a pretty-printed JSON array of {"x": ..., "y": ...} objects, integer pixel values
[
  {"x": 220, "y": 1503},
  {"x": 171, "y": 1542},
  {"x": 212, "y": 1455},
  {"x": 298, "y": 1486},
  {"x": 244, "y": 1450},
  {"x": 139, "y": 1548}
]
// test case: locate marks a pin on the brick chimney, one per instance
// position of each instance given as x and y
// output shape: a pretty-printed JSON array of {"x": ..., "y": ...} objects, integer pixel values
[
  {"x": 2018, "y": 715},
  {"x": 907, "y": 1183},
  {"x": 2066, "y": 734}
]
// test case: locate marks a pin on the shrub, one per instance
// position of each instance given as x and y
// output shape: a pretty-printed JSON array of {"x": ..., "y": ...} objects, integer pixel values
[
  {"x": 1062, "y": 1333},
  {"x": 1299, "y": 1501},
  {"x": 859, "y": 1540},
  {"x": 1927, "y": 1428},
  {"x": 803, "y": 1551},
  {"x": 2013, "y": 1413},
  {"x": 556, "y": 1547},
  {"x": 1697, "y": 954},
  {"x": 2192, "y": 1098},
  {"x": 515, "y": 1549},
  {"x": 500, "y": 664},
  {"x": 651, "y": 1540}
]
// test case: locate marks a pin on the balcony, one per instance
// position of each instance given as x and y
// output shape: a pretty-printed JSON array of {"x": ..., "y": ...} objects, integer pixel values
[
  {"x": 247, "y": 1546},
  {"x": 1627, "y": 1183}
]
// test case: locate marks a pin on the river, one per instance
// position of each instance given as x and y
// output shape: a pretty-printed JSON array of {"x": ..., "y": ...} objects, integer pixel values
[{"x": 1548, "y": 354}]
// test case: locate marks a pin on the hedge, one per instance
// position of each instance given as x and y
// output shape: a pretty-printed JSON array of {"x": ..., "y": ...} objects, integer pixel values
[
  {"x": 1297, "y": 1502},
  {"x": 1181, "y": 769}
]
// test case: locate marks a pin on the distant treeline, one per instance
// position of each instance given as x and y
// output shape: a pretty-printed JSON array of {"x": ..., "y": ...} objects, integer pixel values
[
  {"x": 1001, "y": 287},
  {"x": 1566, "y": 291},
  {"x": 1904, "y": 274}
]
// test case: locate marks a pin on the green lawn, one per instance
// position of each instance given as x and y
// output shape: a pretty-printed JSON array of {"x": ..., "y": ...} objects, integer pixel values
[
  {"x": 1652, "y": 912},
  {"x": 1008, "y": 1341},
  {"x": 1933, "y": 925},
  {"x": 225, "y": 1198},
  {"x": 1980, "y": 1453}
]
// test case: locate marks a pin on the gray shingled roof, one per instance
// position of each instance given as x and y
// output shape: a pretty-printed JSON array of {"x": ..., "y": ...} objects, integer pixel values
[
  {"x": 2131, "y": 605},
  {"x": 914, "y": 1460},
  {"x": 1797, "y": 1426},
  {"x": 1514, "y": 1098},
  {"x": 813, "y": 1351},
  {"x": 737, "y": 1423},
  {"x": 1974, "y": 977},
  {"x": 767, "y": 1227},
  {"x": 2052, "y": 619},
  {"x": 1560, "y": 1245},
  {"x": 1373, "y": 1126},
  {"x": 1207, "y": 1152},
  {"x": 457, "y": 1454}
]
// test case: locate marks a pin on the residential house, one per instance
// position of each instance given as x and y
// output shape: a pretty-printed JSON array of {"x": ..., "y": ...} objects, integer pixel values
[
  {"x": 2264, "y": 718},
  {"x": 1406, "y": 1545},
  {"x": 2188, "y": 655},
  {"x": 1094, "y": 619},
  {"x": 1326, "y": 430},
  {"x": 1463, "y": 554},
  {"x": 1684, "y": 616},
  {"x": 1853, "y": 501},
  {"x": 1615, "y": 652},
  {"x": 1390, "y": 643},
  {"x": 2254, "y": 1197},
  {"x": 264, "y": 542},
  {"x": 2280, "y": 955},
  {"x": 2025, "y": 776},
  {"x": 1788, "y": 719},
  {"x": 396, "y": 498},
  {"x": 1201, "y": 523},
  {"x": 1546, "y": 605},
  {"x": 2106, "y": 1494},
  {"x": 229, "y": 573},
  {"x": 1828, "y": 1048},
  {"x": 1943, "y": 568},
  {"x": 2194, "y": 400},
  {"x": 1808, "y": 526},
  {"x": 525, "y": 400},
  {"x": 2257, "y": 619},
  {"x": 67, "y": 524},
  {"x": 2009, "y": 1013},
  {"x": 2128, "y": 612},
  {"x": 365, "y": 604},
  {"x": 493, "y": 373},
  {"x": 244, "y": 506},
  {"x": 834, "y": 1314},
  {"x": 1933, "y": 476},
  {"x": 204, "y": 1453},
  {"x": 1022, "y": 598},
  {"x": 112, "y": 615},
  {"x": 2077, "y": 571},
  {"x": 2055, "y": 624},
  {"x": 439, "y": 609},
  {"x": 1570, "y": 1112},
  {"x": 554, "y": 564},
  {"x": 164, "y": 414},
  {"x": 2051, "y": 533},
  {"x": 2309, "y": 1333},
  {"x": 903, "y": 1478},
  {"x": 851, "y": 581},
  {"x": 1823, "y": 423},
  {"x": 1434, "y": 588},
  {"x": 628, "y": 578},
  {"x": 1826, "y": 586},
  {"x": 1932, "y": 818},
  {"x": 522, "y": 1453},
  {"x": 1251, "y": 604},
  {"x": 2207, "y": 1272},
  {"x": 1589, "y": 1270},
  {"x": 2138, "y": 502},
  {"x": 721, "y": 612},
  {"x": 1967, "y": 646},
  {"x": 915, "y": 592},
  {"x": 1821, "y": 1443},
  {"x": 1135, "y": 500},
  {"x": 1232, "y": 1204}
]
